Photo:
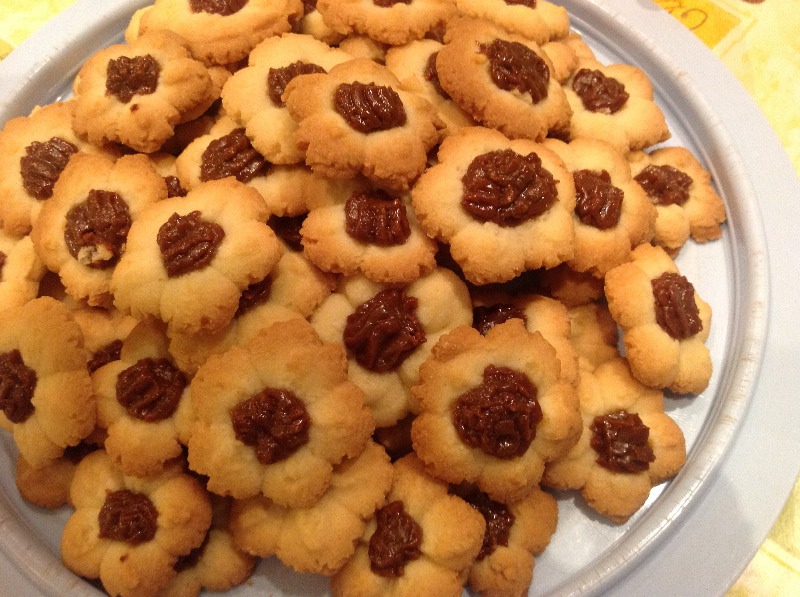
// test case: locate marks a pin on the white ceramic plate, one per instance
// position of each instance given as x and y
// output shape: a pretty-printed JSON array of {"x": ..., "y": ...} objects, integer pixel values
[{"x": 697, "y": 532}]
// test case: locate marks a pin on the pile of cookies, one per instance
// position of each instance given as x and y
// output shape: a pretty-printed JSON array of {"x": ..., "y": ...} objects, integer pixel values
[{"x": 352, "y": 283}]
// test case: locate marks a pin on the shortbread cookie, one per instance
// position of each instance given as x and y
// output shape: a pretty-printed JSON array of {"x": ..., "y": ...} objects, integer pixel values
[
  {"x": 253, "y": 96},
  {"x": 494, "y": 409},
  {"x": 312, "y": 23},
  {"x": 570, "y": 287},
  {"x": 503, "y": 206},
  {"x": 357, "y": 488},
  {"x": 414, "y": 64},
  {"x": 82, "y": 231},
  {"x": 393, "y": 22},
  {"x": 216, "y": 565},
  {"x": 188, "y": 259},
  {"x": 129, "y": 532},
  {"x": 136, "y": 93},
  {"x": 34, "y": 150},
  {"x": 537, "y": 20},
  {"x": 48, "y": 486},
  {"x": 142, "y": 403},
  {"x": 539, "y": 313},
  {"x": 226, "y": 151},
  {"x": 389, "y": 330},
  {"x": 292, "y": 291},
  {"x": 103, "y": 333},
  {"x": 664, "y": 322},
  {"x": 614, "y": 103},
  {"x": 612, "y": 215},
  {"x": 502, "y": 80},
  {"x": 593, "y": 333},
  {"x": 372, "y": 233},
  {"x": 357, "y": 119},
  {"x": 515, "y": 532},
  {"x": 361, "y": 46},
  {"x": 420, "y": 542},
  {"x": 629, "y": 444},
  {"x": 21, "y": 270},
  {"x": 564, "y": 57},
  {"x": 46, "y": 397},
  {"x": 680, "y": 188},
  {"x": 218, "y": 32},
  {"x": 275, "y": 416}
]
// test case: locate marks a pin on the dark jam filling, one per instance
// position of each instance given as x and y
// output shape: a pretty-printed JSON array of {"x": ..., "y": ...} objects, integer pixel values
[
  {"x": 396, "y": 541},
  {"x": 128, "y": 516},
  {"x": 382, "y": 332},
  {"x": 500, "y": 415},
  {"x": 274, "y": 422},
  {"x": 368, "y": 107},
  {"x": 621, "y": 442},
  {"x": 507, "y": 188},
  {"x": 676, "y": 309}
]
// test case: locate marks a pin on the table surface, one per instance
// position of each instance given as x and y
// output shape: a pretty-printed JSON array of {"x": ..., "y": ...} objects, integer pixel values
[{"x": 757, "y": 40}]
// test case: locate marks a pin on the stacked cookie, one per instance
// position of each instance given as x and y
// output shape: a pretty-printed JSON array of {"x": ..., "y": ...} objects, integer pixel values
[{"x": 350, "y": 283}]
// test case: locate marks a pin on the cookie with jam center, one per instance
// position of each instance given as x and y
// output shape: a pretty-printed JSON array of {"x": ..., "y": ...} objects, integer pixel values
[
  {"x": 664, "y": 322},
  {"x": 494, "y": 409},
  {"x": 82, "y": 231},
  {"x": 393, "y": 22},
  {"x": 218, "y": 32},
  {"x": 188, "y": 259},
  {"x": 504, "y": 206},
  {"x": 504, "y": 81},
  {"x": 137, "y": 93},
  {"x": 628, "y": 445},
  {"x": 357, "y": 119}
]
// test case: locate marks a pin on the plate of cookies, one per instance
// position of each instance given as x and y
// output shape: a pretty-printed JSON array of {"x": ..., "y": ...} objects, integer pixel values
[{"x": 372, "y": 297}]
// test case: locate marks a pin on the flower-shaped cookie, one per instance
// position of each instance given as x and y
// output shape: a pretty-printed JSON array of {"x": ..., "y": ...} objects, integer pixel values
[
  {"x": 82, "y": 231},
  {"x": 515, "y": 532},
  {"x": 357, "y": 119},
  {"x": 46, "y": 397},
  {"x": 321, "y": 538},
  {"x": 494, "y": 409},
  {"x": 686, "y": 203},
  {"x": 21, "y": 270},
  {"x": 414, "y": 64},
  {"x": 537, "y": 20},
  {"x": 393, "y": 22},
  {"x": 103, "y": 333},
  {"x": 226, "y": 151},
  {"x": 389, "y": 330},
  {"x": 502, "y": 80},
  {"x": 614, "y": 103},
  {"x": 136, "y": 93},
  {"x": 293, "y": 290},
  {"x": 189, "y": 259},
  {"x": 217, "y": 564},
  {"x": 34, "y": 150},
  {"x": 421, "y": 542},
  {"x": 128, "y": 531},
  {"x": 253, "y": 95},
  {"x": 593, "y": 333},
  {"x": 48, "y": 486},
  {"x": 540, "y": 313},
  {"x": 273, "y": 417},
  {"x": 664, "y": 322},
  {"x": 612, "y": 215},
  {"x": 142, "y": 403},
  {"x": 372, "y": 233},
  {"x": 503, "y": 206},
  {"x": 218, "y": 31},
  {"x": 628, "y": 445}
]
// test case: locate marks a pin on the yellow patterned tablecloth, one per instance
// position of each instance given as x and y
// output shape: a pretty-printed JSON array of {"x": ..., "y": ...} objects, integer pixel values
[{"x": 759, "y": 40}]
